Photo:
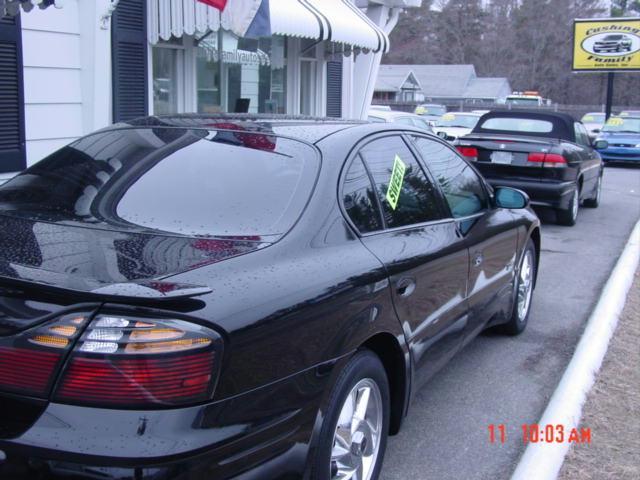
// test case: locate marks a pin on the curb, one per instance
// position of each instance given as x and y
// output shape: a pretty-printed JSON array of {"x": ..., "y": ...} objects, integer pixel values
[{"x": 542, "y": 461}]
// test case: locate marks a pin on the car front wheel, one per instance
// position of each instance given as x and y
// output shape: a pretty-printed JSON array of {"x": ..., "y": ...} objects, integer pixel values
[{"x": 353, "y": 437}]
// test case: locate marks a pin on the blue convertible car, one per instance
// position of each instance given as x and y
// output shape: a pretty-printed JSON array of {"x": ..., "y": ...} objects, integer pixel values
[{"x": 623, "y": 137}]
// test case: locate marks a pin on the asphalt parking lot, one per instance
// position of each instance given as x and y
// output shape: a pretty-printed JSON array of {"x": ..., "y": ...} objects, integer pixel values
[{"x": 508, "y": 380}]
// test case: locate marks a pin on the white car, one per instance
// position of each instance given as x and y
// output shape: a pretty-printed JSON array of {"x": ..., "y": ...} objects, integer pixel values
[
  {"x": 593, "y": 122},
  {"x": 456, "y": 124},
  {"x": 403, "y": 118}
]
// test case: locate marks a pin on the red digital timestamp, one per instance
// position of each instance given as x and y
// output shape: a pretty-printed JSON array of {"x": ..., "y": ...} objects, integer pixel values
[{"x": 534, "y": 433}]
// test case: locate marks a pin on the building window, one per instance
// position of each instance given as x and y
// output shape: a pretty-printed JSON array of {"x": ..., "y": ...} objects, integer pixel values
[
  {"x": 168, "y": 77},
  {"x": 253, "y": 74},
  {"x": 308, "y": 77}
]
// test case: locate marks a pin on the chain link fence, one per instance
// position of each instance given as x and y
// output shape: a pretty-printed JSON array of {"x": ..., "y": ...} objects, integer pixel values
[{"x": 577, "y": 111}]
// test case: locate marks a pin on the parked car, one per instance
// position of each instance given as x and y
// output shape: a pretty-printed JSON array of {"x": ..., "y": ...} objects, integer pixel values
[
  {"x": 455, "y": 124},
  {"x": 630, "y": 113},
  {"x": 430, "y": 112},
  {"x": 403, "y": 118},
  {"x": 243, "y": 295},
  {"x": 593, "y": 122},
  {"x": 386, "y": 108},
  {"x": 613, "y": 43},
  {"x": 547, "y": 155},
  {"x": 620, "y": 139}
]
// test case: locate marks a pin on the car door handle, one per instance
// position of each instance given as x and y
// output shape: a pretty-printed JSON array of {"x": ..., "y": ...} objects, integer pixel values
[
  {"x": 405, "y": 287},
  {"x": 477, "y": 259}
]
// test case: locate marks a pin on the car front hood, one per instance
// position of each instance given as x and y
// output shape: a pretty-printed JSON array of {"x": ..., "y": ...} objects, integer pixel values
[{"x": 93, "y": 260}]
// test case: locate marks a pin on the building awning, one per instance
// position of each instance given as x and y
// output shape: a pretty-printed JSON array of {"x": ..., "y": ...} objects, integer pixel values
[
  {"x": 12, "y": 7},
  {"x": 332, "y": 20},
  {"x": 337, "y": 21}
]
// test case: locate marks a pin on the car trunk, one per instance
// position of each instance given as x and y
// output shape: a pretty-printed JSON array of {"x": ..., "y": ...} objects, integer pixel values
[
  {"x": 53, "y": 273},
  {"x": 505, "y": 156}
]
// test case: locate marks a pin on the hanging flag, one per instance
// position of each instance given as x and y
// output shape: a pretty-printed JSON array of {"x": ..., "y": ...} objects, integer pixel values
[
  {"x": 245, "y": 18},
  {"x": 219, "y": 4},
  {"x": 261, "y": 24}
]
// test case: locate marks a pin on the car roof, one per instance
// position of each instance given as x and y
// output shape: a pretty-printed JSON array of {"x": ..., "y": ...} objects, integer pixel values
[
  {"x": 473, "y": 114},
  {"x": 562, "y": 122}
]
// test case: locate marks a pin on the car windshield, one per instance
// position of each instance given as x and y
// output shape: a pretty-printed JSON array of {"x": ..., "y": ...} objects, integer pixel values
[
  {"x": 193, "y": 182},
  {"x": 622, "y": 125},
  {"x": 513, "y": 124},
  {"x": 457, "y": 120},
  {"x": 431, "y": 110},
  {"x": 593, "y": 118}
]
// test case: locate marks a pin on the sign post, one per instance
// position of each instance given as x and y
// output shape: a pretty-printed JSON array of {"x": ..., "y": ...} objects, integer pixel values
[{"x": 606, "y": 45}]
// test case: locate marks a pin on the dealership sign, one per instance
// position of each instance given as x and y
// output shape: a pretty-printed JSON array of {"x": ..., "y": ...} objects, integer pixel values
[{"x": 606, "y": 45}]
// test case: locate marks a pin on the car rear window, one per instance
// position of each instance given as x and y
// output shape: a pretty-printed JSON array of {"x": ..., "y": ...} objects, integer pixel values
[
  {"x": 513, "y": 124},
  {"x": 182, "y": 181}
]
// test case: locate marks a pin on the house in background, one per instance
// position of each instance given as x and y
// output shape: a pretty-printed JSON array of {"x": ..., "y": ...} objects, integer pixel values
[
  {"x": 71, "y": 70},
  {"x": 397, "y": 85},
  {"x": 444, "y": 83}
]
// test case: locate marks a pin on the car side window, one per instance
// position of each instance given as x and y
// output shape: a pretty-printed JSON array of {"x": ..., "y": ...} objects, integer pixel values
[
  {"x": 406, "y": 194},
  {"x": 582, "y": 137},
  {"x": 360, "y": 199},
  {"x": 460, "y": 184}
]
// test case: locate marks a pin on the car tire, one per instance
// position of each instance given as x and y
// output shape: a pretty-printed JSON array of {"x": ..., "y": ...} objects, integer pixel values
[
  {"x": 568, "y": 216},
  {"x": 594, "y": 201},
  {"x": 340, "y": 448},
  {"x": 523, "y": 292}
]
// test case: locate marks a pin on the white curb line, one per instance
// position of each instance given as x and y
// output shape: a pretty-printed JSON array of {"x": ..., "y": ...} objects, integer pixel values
[{"x": 542, "y": 461}]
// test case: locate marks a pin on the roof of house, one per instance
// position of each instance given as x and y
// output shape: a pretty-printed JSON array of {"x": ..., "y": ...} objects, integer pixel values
[
  {"x": 490, "y": 87},
  {"x": 445, "y": 81},
  {"x": 392, "y": 80}
]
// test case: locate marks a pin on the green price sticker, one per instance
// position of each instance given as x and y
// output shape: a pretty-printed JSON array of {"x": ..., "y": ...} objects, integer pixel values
[{"x": 395, "y": 183}]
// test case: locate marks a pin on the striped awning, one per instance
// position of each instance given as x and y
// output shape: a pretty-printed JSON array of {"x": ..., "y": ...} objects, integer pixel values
[
  {"x": 337, "y": 21},
  {"x": 12, "y": 7},
  {"x": 332, "y": 20}
]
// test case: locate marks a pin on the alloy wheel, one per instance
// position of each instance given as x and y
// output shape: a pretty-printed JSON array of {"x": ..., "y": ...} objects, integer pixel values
[
  {"x": 575, "y": 204},
  {"x": 356, "y": 441},
  {"x": 525, "y": 285}
]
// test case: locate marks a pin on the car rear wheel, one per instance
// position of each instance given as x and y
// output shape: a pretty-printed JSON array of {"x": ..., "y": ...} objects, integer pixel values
[
  {"x": 523, "y": 293},
  {"x": 353, "y": 437},
  {"x": 567, "y": 216},
  {"x": 594, "y": 201}
]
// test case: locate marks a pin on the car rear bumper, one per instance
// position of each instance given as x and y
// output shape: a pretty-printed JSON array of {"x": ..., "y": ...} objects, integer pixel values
[
  {"x": 541, "y": 193},
  {"x": 264, "y": 433}
]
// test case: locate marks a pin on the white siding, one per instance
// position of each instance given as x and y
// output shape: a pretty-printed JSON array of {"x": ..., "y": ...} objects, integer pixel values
[{"x": 52, "y": 79}]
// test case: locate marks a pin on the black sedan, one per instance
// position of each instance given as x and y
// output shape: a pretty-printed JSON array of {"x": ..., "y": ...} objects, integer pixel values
[
  {"x": 217, "y": 297},
  {"x": 548, "y": 155}
]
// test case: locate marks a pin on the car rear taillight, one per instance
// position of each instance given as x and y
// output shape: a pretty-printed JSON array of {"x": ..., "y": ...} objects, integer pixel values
[
  {"x": 129, "y": 362},
  {"x": 552, "y": 160},
  {"x": 29, "y": 361},
  {"x": 468, "y": 152}
]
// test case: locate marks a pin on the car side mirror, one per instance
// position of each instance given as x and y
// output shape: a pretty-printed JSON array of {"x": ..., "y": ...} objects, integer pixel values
[
  {"x": 507, "y": 197},
  {"x": 600, "y": 144}
]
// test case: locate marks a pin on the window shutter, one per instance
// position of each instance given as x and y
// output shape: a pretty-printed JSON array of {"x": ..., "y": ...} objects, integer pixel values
[
  {"x": 334, "y": 89},
  {"x": 12, "y": 148},
  {"x": 129, "y": 60}
]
